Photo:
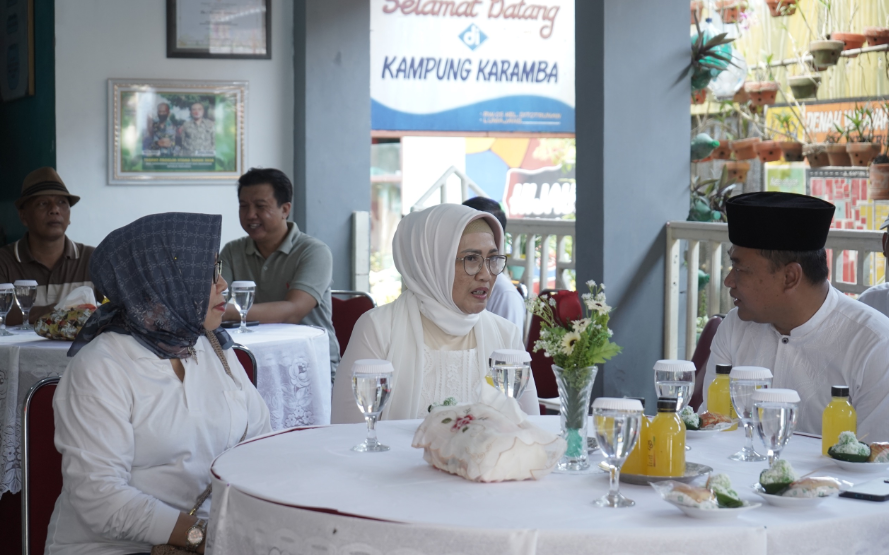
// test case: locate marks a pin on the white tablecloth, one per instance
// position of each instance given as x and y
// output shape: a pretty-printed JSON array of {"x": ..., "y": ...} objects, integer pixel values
[
  {"x": 267, "y": 495},
  {"x": 293, "y": 378}
]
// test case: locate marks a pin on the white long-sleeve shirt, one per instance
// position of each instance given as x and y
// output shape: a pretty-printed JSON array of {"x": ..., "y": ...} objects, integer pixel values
[
  {"x": 137, "y": 443},
  {"x": 845, "y": 343},
  {"x": 507, "y": 302}
]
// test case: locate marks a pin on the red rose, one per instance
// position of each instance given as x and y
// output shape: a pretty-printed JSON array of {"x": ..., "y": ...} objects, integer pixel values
[{"x": 567, "y": 309}]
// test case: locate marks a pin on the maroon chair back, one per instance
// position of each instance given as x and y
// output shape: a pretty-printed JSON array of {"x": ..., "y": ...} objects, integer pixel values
[
  {"x": 247, "y": 360},
  {"x": 41, "y": 465},
  {"x": 541, "y": 365},
  {"x": 346, "y": 312},
  {"x": 700, "y": 357}
]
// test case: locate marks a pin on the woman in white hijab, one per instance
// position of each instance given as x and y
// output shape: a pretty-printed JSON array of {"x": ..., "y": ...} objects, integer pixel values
[{"x": 437, "y": 334}]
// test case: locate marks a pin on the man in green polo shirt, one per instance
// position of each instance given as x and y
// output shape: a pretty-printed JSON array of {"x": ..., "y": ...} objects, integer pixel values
[{"x": 293, "y": 272}]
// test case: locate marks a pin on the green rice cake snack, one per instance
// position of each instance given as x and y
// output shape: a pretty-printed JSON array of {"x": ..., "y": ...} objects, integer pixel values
[
  {"x": 849, "y": 449},
  {"x": 721, "y": 486},
  {"x": 778, "y": 477}
]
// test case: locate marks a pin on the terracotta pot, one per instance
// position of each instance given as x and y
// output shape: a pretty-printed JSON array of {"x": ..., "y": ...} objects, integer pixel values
[
  {"x": 699, "y": 97},
  {"x": 697, "y": 7},
  {"x": 878, "y": 187},
  {"x": 793, "y": 150},
  {"x": 851, "y": 41},
  {"x": 804, "y": 86},
  {"x": 780, "y": 8},
  {"x": 861, "y": 154},
  {"x": 768, "y": 151},
  {"x": 838, "y": 155},
  {"x": 876, "y": 35},
  {"x": 722, "y": 152},
  {"x": 730, "y": 10},
  {"x": 762, "y": 93},
  {"x": 816, "y": 155},
  {"x": 741, "y": 97},
  {"x": 825, "y": 53},
  {"x": 737, "y": 171},
  {"x": 744, "y": 149}
]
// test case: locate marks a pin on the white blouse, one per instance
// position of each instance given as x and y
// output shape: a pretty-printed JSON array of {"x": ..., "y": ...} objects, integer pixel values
[{"x": 137, "y": 443}]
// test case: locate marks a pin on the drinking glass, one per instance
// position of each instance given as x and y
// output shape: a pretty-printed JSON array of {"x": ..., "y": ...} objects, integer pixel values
[
  {"x": 510, "y": 371},
  {"x": 372, "y": 386},
  {"x": 7, "y": 297},
  {"x": 675, "y": 379},
  {"x": 25, "y": 295},
  {"x": 242, "y": 296},
  {"x": 616, "y": 423},
  {"x": 775, "y": 412},
  {"x": 744, "y": 381}
]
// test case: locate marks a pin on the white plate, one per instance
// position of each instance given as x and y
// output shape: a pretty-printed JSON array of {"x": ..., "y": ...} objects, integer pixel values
[
  {"x": 788, "y": 502},
  {"x": 864, "y": 467},
  {"x": 714, "y": 514},
  {"x": 721, "y": 427}
]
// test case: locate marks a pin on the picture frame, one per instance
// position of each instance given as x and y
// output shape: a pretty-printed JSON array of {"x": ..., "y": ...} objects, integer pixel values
[
  {"x": 17, "y": 48},
  {"x": 174, "y": 132},
  {"x": 235, "y": 29}
]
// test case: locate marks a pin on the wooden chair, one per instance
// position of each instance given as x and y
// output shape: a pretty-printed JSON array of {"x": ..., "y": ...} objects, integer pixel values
[
  {"x": 41, "y": 465},
  {"x": 247, "y": 360},
  {"x": 700, "y": 358},
  {"x": 346, "y": 312}
]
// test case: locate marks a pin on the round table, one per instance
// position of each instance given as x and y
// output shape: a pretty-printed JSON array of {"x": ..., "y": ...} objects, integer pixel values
[{"x": 301, "y": 489}]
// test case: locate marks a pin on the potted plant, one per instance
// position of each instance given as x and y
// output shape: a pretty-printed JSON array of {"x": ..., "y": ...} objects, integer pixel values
[
  {"x": 878, "y": 185},
  {"x": 737, "y": 170},
  {"x": 860, "y": 136},
  {"x": 709, "y": 57},
  {"x": 791, "y": 147},
  {"x": 778, "y": 8},
  {"x": 824, "y": 49},
  {"x": 851, "y": 41},
  {"x": 699, "y": 96},
  {"x": 816, "y": 155},
  {"x": 804, "y": 86},
  {"x": 768, "y": 149},
  {"x": 876, "y": 35},
  {"x": 836, "y": 148},
  {"x": 730, "y": 10},
  {"x": 708, "y": 197},
  {"x": 745, "y": 149},
  {"x": 763, "y": 91}
]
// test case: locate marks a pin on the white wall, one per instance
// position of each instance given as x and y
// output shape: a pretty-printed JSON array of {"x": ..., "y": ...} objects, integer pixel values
[{"x": 97, "y": 40}]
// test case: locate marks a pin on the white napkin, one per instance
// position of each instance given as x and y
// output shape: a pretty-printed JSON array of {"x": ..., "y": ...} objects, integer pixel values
[
  {"x": 78, "y": 296},
  {"x": 488, "y": 441}
]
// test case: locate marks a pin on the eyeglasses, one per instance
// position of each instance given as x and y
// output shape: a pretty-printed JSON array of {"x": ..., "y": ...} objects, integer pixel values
[
  {"x": 472, "y": 263},
  {"x": 217, "y": 271}
]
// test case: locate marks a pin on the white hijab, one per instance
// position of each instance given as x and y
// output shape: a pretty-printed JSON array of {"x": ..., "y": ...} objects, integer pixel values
[{"x": 425, "y": 253}]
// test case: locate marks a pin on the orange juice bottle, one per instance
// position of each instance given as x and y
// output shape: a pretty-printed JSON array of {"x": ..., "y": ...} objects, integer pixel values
[
  {"x": 838, "y": 416},
  {"x": 666, "y": 441},
  {"x": 637, "y": 461},
  {"x": 719, "y": 398}
]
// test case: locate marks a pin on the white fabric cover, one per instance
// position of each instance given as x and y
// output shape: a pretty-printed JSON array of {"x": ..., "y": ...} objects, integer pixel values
[{"x": 488, "y": 441}]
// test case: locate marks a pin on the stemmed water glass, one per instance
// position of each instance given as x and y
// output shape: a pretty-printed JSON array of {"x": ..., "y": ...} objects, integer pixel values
[
  {"x": 242, "y": 296},
  {"x": 372, "y": 386},
  {"x": 7, "y": 297},
  {"x": 616, "y": 423},
  {"x": 775, "y": 412},
  {"x": 675, "y": 379},
  {"x": 510, "y": 371},
  {"x": 25, "y": 295},
  {"x": 744, "y": 381}
]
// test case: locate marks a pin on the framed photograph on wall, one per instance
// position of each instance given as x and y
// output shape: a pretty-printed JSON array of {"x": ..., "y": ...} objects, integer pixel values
[
  {"x": 176, "y": 132},
  {"x": 214, "y": 29}
]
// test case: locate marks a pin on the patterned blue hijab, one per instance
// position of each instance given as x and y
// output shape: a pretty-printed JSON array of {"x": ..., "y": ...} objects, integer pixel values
[{"x": 157, "y": 273}]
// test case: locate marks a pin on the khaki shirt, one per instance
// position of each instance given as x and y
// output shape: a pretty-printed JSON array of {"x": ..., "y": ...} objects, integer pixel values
[
  {"x": 300, "y": 262},
  {"x": 53, "y": 284},
  {"x": 198, "y": 137}
]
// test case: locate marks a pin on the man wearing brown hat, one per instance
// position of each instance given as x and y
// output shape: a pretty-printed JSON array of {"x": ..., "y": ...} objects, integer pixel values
[
  {"x": 789, "y": 319},
  {"x": 45, "y": 254}
]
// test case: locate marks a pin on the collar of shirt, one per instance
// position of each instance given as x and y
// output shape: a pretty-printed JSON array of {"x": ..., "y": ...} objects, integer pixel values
[
  {"x": 136, "y": 351},
  {"x": 23, "y": 250},
  {"x": 826, "y": 308},
  {"x": 286, "y": 245}
]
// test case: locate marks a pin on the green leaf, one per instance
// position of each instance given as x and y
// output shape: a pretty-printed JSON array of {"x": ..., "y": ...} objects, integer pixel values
[{"x": 447, "y": 420}]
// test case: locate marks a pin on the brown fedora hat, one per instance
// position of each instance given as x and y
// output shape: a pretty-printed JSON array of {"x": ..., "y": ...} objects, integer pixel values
[{"x": 44, "y": 181}]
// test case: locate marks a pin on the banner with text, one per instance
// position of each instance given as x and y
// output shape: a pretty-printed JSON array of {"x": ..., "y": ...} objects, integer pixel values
[{"x": 472, "y": 65}]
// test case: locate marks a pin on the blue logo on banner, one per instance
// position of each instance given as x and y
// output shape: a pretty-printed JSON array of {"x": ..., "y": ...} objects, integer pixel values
[{"x": 473, "y": 37}]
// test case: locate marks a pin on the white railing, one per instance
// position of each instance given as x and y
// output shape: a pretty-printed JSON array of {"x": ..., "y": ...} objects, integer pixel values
[
  {"x": 858, "y": 246},
  {"x": 525, "y": 231},
  {"x": 441, "y": 185}
]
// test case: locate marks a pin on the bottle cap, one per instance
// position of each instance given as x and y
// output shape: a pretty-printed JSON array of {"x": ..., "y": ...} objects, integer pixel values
[
  {"x": 775, "y": 396},
  {"x": 835, "y": 390},
  {"x": 372, "y": 366},
  {"x": 236, "y": 284},
  {"x": 640, "y": 399},
  {"x": 674, "y": 366},
  {"x": 613, "y": 403},
  {"x": 4, "y": 286},
  {"x": 723, "y": 368},
  {"x": 25, "y": 283},
  {"x": 667, "y": 404},
  {"x": 750, "y": 373},
  {"x": 515, "y": 356}
]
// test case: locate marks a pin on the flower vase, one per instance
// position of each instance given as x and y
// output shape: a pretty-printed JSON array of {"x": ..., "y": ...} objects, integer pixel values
[{"x": 575, "y": 389}]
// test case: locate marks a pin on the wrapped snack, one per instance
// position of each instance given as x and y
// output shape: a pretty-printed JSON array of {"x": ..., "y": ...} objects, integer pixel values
[
  {"x": 849, "y": 449},
  {"x": 879, "y": 452},
  {"x": 709, "y": 419},
  {"x": 721, "y": 486},
  {"x": 778, "y": 477},
  {"x": 813, "y": 487},
  {"x": 686, "y": 494},
  {"x": 690, "y": 419}
]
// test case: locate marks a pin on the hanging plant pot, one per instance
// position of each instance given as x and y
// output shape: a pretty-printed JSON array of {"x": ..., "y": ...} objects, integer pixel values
[
  {"x": 838, "y": 155},
  {"x": 779, "y": 8},
  {"x": 825, "y": 53},
  {"x": 768, "y": 151},
  {"x": 816, "y": 155},
  {"x": 876, "y": 35},
  {"x": 741, "y": 97},
  {"x": 878, "y": 187},
  {"x": 697, "y": 7},
  {"x": 737, "y": 171},
  {"x": 804, "y": 86},
  {"x": 762, "y": 93},
  {"x": 699, "y": 97},
  {"x": 730, "y": 10},
  {"x": 793, "y": 150},
  {"x": 745, "y": 149},
  {"x": 722, "y": 152},
  {"x": 851, "y": 41},
  {"x": 861, "y": 154}
]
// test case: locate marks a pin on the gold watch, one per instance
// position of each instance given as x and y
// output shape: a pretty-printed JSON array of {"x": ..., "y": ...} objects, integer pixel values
[{"x": 194, "y": 536}]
